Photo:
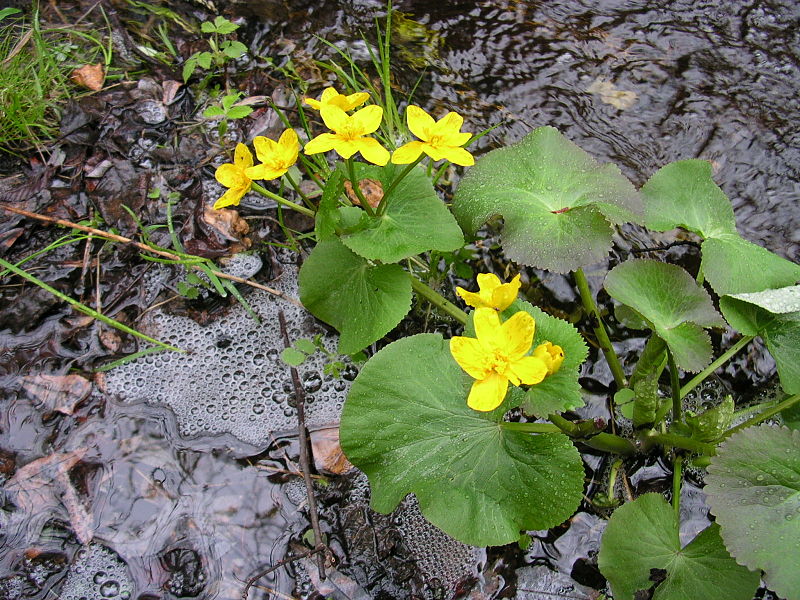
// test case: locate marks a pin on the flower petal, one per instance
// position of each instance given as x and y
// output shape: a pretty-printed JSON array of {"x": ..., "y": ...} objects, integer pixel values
[
  {"x": 368, "y": 119},
  {"x": 473, "y": 299},
  {"x": 353, "y": 100},
  {"x": 488, "y": 282},
  {"x": 230, "y": 176},
  {"x": 529, "y": 369},
  {"x": 334, "y": 117},
  {"x": 517, "y": 335},
  {"x": 242, "y": 157},
  {"x": 265, "y": 172},
  {"x": 469, "y": 355},
  {"x": 265, "y": 148},
  {"x": 503, "y": 295},
  {"x": 458, "y": 156},
  {"x": 232, "y": 197},
  {"x": 328, "y": 94},
  {"x": 419, "y": 122},
  {"x": 487, "y": 394},
  {"x": 322, "y": 143},
  {"x": 407, "y": 153},
  {"x": 288, "y": 140},
  {"x": 449, "y": 124},
  {"x": 487, "y": 328},
  {"x": 372, "y": 150},
  {"x": 315, "y": 104},
  {"x": 345, "y": 148},
  {"x": 551, "y": 355}
]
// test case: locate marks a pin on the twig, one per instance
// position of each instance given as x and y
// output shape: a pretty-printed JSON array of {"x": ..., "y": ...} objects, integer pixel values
[
  {"x": 305, "y": 464},
  {"x": 144, "y": 247},
  {"x": 278, "y": 565}
]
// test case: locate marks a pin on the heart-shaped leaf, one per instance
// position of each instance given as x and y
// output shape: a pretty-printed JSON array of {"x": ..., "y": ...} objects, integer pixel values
[
  {"x": 675, "y": 307},
  {"x": 364, "y": 302},
  {"x": 683, "y": 194},
  {"x": 557, "y": 202},
  {"x": 415, "y": 221},
  {"x": 753, "y": 488},
  {"x": 407, "y": 425},
  {"x": 775, "y": 316},
  {"x": 641, "y": 550}
]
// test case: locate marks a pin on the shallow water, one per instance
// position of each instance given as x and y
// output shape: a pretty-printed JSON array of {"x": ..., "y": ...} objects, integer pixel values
[{"x": 182, "y": 517}]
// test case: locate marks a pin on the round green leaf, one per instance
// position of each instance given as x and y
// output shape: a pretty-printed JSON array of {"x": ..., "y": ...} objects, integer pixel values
[
  {"x": 674, "y": 305},
  {"x": 416, "y": 220},
  {"x": 407, "y": 425},
  {"x": 560, "y": 391},
  {"x": 753, "y": 488},
  {"x": 364, "y": 302},
  {"x": 642, "y": 538},
  {"x": 683, "y": 194},
  {"x": 557, "y": 202},
  {"x": 733, "y": 265}
]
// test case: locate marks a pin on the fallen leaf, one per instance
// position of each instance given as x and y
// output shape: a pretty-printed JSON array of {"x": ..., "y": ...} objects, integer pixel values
[
  {"x": 89, "y": 76},
  {"x": 328, "y": 455},
  {"x": 372, "y": 189},
  {"x": 228, "y": 224},
  {"x": 170, "y": 90},
  {"x": 57, "y": 392},
  {"x": 110, "y": 340},
  {"x": 611, "y": 95}
]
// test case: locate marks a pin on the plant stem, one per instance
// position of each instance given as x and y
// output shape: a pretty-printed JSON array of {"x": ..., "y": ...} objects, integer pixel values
[
  {"x": 607, "y": 442},
  {"x": 723, "y": 358},
  {"x": 438, "y": 300},
  {"x": 299, "y": 192},
  {"x": 677, "y": 476},
  {"x": 83, "y": 308},
  {"x": 388, "y": 191},
  {"x": 770, "y": 412},
  {"x": 678, "y": 441},
  {"x": 675, "y": 388},
  {"x": 599, "y": 329},
  {"x": 283, "y": 201},
  {"x": 351, "y": 175}
]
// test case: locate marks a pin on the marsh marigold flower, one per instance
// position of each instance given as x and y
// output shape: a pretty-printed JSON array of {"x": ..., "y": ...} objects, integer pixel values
[
  {"x": 350, "y": 133},
  {"x": 551, "y": 355},
  {"x": 497, "y": 356},
  {"x": 493, "y": 293},
  {"x": 234, "y": 177},
  {"x": 440, "y": 139},
  {"x": 330, "y": 97},
  {"x": 275, "y": 157}
]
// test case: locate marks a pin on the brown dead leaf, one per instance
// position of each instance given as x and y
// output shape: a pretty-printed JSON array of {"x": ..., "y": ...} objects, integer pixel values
[
  {"x": 328, "y": 455},
  {"x": 372, "y": 189},
  {"x": 110, "y": 339},
  {"x": 57, "y": 392},
  {"x": 89, "y": 76},
  {"x": 609, "y": 94},
  {"x": 170, "y": 90},
  {"x": 228, "y": 224}
]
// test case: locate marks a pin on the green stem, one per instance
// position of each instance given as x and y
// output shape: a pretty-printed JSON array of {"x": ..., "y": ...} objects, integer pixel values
[
  {"x": 438, "y": 300},
  {"x": 612, "y": 481},
  {"x": 606, "y": 442},
  {"x": 351, "y": 175},
  {"x": 283, "y": 201},
  {"x": 299, "y": 192},
  {"x": 83, "y": 308},
  {"x": 675, "y": 388},
  {"x": 530, "y": 427},
  {"x": 678, "y": 441},
  {"x": 723, "y": 358},
  {"x": 599, "y": 329},
  {"x": 388, "y": 191},
  {"x": 770, "y": 412},
  {"x": 677, "y": 476}
]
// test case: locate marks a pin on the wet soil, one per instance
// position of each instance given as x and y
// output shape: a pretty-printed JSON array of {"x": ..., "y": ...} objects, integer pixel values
[{"x": 120, "y": 504}]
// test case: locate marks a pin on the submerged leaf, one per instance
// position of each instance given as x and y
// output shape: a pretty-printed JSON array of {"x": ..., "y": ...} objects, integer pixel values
[
  {"x": 753, "y": 488},
  {"x": 557, "y": 202},
  {"x": 406, "y": 424}
]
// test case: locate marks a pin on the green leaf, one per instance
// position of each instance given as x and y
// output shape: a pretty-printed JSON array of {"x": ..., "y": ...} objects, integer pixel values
[
  {"x": 305, "y": 345},
  {"x": 753, "y": 488},
  {"x": 327, "y": 218},
  {"x": 416, "y": 219},
  {"x": 673, "y": 304},
  {"x": 213, "y": 111},
  {"x": 733, "y": 265},
  {"x": 560, "y": 391},
  {"x": 223, "y": 25},
  {"x": 642, "y": 539},
  {"x": 204, "y": 59},
  {"x": 711, "y": 424},
  {"x": 239, "y": 112},
  {"x": 207, "y": 27},
  {"x": 557, "y": 202},
  {"x": 8, "y": 11},
  {"x": 189, "y": 67},
  {"x": 293, "y": 357},
  {"x": 647, "y": 402},
  {"x": 775, "y": 316},
  {"x": 363, "y": 301},
  {"x": 407, "y": 425},
  {"x": 683, "y": 194},
  {"x": 234, "y": 49}
]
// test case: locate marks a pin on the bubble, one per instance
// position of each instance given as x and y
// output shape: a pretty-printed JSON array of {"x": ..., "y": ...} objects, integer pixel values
[{"x": 97, "y": 572}]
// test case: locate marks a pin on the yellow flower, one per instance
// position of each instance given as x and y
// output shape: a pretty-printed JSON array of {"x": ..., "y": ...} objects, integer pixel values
[
  {"x": 234, "y": 177},
  {"x": 551, "y": 355},
  {"x": 440, "y": 139},
  {"x": 330, "y": 97},
  {"x": 275, "y": 157},
  {"x": 349, "y": 131},
  {"x": 497, "y": 356},
  {"x": 492, "y": 294}
]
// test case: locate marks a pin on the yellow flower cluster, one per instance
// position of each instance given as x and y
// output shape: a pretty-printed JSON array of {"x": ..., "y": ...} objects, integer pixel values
[
  {"x": 499, "y": 354},
  {"x": 439, "y": 140}
]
